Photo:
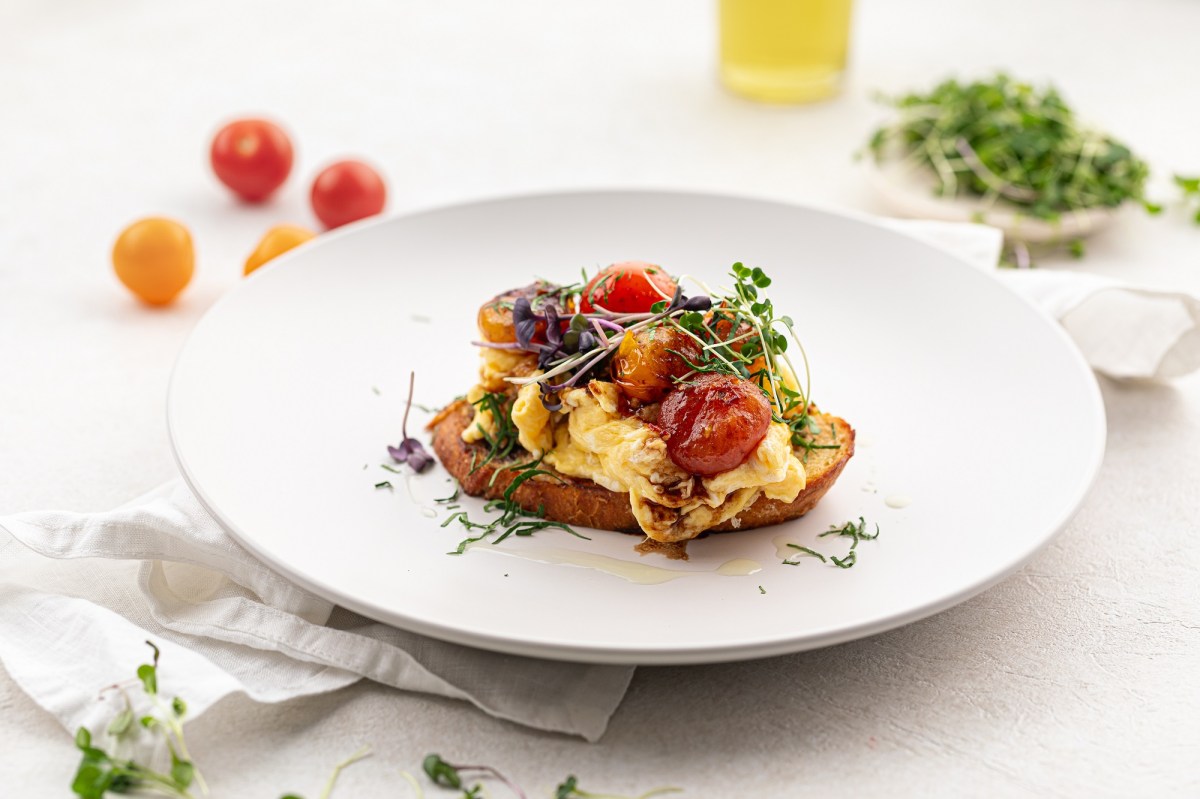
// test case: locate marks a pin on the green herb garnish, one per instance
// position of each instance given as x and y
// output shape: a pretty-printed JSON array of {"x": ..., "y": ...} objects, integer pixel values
[
  {"x": 337, "y": 771},
  {"x": 1191, "y": 194},
  {"x": 101, "y": 772},
  {"x": 504, "y": 440},
  {"x": 448, "y": 775},
  {"x": 806, "y": 551},
  {"x": 738, "y": 331},
  {"x": 1010, "y": 143},
  {"x": 569, "y": 789},
  {"x": 453, "y": 497},
  {"x": 746, "y": 338},
  {"x": 513, "y": 518},
  {"x": 855, "y": 532}
]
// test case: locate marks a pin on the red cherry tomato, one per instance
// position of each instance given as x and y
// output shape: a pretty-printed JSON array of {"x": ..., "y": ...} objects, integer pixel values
[
  {"x": 347, "y": 191},
  {"x": 713, "y": 423},
  {"x": 627, "y": 288},
  {"x": 252, "y": 157}
]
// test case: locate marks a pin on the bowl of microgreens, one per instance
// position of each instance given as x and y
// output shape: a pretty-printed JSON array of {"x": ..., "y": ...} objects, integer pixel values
[{"x": 1004, "y": 153}]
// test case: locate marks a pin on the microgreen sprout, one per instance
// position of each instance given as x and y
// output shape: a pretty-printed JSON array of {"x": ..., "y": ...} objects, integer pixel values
[
  {"x": 577, "y": 353},
  {"x": 1010, "y": 143},
  {"x": 449, "y": 775},
  {"x": 410, "y": 451},
  {"x": 569, "y": 789},
  {"x": 101, "y": 772},
  {"x": 365, "y": 752},
  {"x": 1191, "y": 194},
  {"x": 737, "y": 330}
]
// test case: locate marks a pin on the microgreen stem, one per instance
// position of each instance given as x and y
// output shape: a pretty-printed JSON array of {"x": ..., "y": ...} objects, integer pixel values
[
  {"x": 412, "y": 381},
  {"x": 337, "y": 770}
]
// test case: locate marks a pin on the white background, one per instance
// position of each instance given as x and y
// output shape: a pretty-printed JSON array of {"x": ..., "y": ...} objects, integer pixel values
[{"x": 1076, "y": 677}]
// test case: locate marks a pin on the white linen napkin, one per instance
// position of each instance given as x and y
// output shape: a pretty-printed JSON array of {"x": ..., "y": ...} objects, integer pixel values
[
  {"x": 80, "y": 593},
  {"x": 1124, "y": 331}
]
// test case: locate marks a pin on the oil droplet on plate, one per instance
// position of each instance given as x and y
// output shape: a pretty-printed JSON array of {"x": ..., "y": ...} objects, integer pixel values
[
  {"x": 739, "y": 567},
  {"x": 782, "y": 548}
]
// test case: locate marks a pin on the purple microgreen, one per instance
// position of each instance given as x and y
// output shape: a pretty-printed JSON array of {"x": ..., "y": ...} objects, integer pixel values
[
  {"x": 410, "y": 451},
  {"x": 677, "y": 300},
  {"x": 498, "y": 345},
  {"x": 524, "y": 322},
  {"x": 604, "y": 341},
  {"x": 550, "y": 400},
  {"x": 553, "y": 331},
  {"x": 413, "y": 453},
  {"x": 412, "y": 382}
]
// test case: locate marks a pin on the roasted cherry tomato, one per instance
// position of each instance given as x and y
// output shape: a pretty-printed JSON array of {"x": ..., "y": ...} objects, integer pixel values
[
  {"x": 713, "y": 423},
  {"x": 721, "y": 324},
  {"x": 629, "y": 287},
  {"x": 720, "y": 320},
  {"x": 650, "y": 360},
  {"x": 252, "y": 157},
  {"x": 346, "y": 192},
  {"x": 495, "y": 318},
  {"x": 276, "y": 242}
]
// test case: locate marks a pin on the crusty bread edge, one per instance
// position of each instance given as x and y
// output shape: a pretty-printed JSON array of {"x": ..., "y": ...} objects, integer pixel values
[{"x": 583, "y": 503}]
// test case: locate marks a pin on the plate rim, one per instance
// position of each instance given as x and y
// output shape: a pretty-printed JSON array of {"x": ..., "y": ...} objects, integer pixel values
[{"x": 645, "y": 654}]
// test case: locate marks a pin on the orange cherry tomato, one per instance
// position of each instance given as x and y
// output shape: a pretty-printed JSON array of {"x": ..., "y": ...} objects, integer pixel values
[
  {"x": 276, "y": 242},
  {"x": 346, "y": 192},
  {"x": 154, "y": 258},
  {"x": 495, "y": 317},
  {"x": 252, "y": 157},
  {"x": 649, "y": 361},
  {"x": 629, "y": 287}
]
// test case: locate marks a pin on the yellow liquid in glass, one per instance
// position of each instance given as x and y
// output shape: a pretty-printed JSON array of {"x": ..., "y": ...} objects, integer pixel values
[{"x": 786, "y": 51}]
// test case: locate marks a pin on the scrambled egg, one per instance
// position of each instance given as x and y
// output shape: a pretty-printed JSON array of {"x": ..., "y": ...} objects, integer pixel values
[
  {"x": 494, "y": 366},
  {"x": 589, "y": 438}
]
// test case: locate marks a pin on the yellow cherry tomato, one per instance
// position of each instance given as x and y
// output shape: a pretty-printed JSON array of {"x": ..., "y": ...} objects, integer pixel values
[
  {"x": 154, "y": 258},
  {"x": 275, "y": 242}
]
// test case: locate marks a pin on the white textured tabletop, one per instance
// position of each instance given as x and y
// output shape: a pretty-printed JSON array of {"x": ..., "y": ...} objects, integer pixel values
[{"x": 1076, "y": 677}]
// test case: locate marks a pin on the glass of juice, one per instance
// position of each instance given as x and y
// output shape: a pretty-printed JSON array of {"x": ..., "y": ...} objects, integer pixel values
[{"x": 784, "y": 51}]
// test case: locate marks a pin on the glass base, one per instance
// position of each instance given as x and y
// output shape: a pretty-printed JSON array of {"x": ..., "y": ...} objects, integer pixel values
[{"x": 799, "y": 85}]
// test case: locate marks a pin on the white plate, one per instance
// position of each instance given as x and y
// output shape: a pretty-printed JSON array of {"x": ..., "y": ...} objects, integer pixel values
[{"x": 966, "y": 401}]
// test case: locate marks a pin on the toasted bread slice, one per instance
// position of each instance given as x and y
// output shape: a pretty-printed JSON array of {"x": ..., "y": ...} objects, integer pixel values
[{"x": 585, "y": 504}]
